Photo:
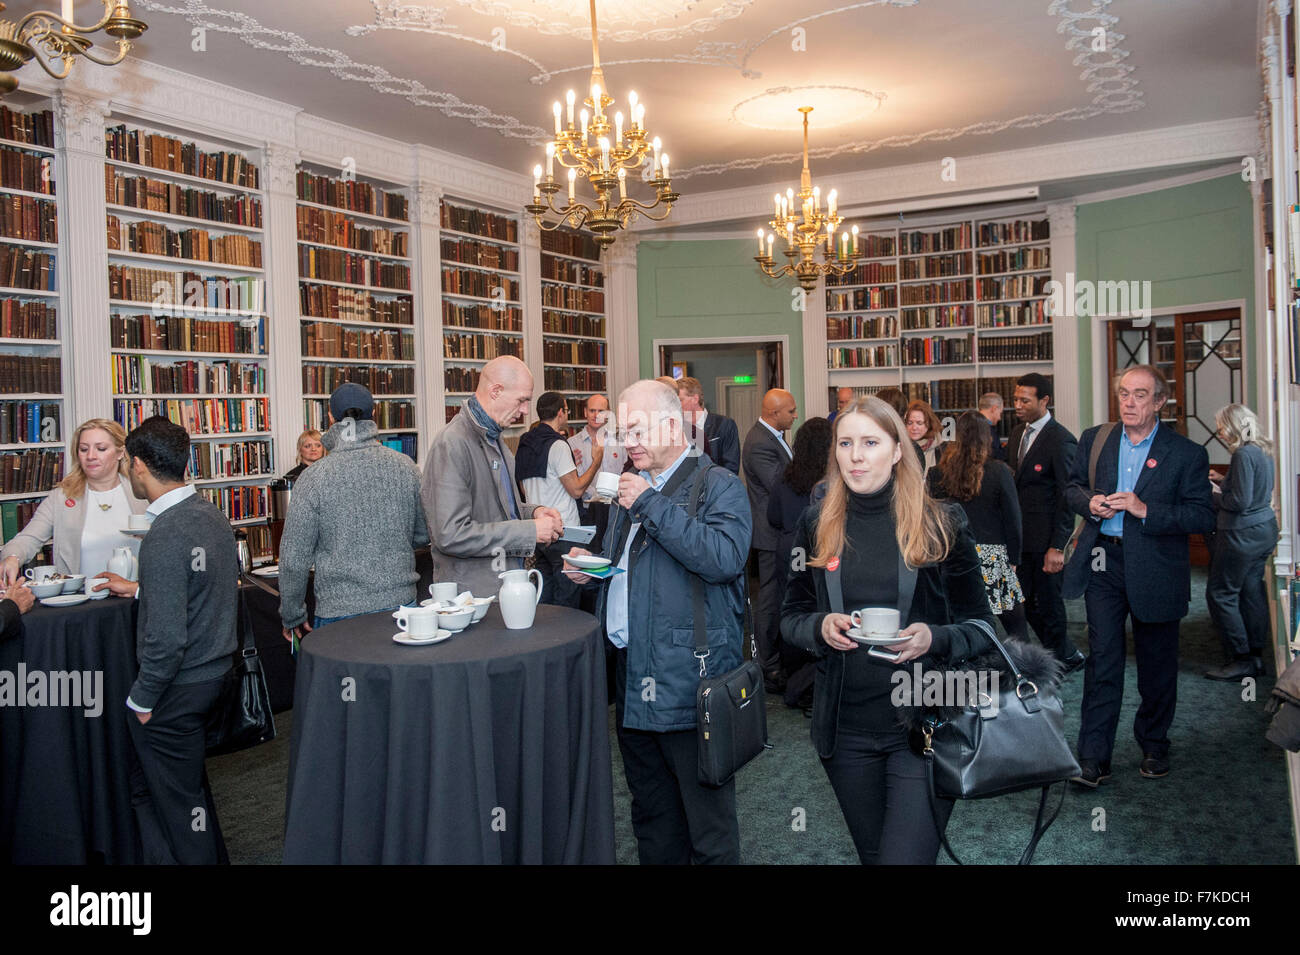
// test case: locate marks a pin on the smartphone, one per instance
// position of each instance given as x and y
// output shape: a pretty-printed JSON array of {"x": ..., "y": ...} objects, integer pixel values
[
  {"x": 890, "y": 655},
  {"x": 579, "y": 535}
]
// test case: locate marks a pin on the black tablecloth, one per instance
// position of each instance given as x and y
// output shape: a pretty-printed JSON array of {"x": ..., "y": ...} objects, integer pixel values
[
  {"x": 65, "y": 795},
  {"x": 489, "y": 747}
]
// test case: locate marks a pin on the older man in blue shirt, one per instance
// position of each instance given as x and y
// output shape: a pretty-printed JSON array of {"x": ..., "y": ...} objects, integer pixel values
[{"x": 1151, "y": 491}]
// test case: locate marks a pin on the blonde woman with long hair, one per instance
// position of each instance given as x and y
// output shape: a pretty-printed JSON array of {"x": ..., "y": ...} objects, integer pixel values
[
  {"x": 85, "y": 514},
  {"x": 889, "y": 545},
  {"x": 1245, "y": 534}
]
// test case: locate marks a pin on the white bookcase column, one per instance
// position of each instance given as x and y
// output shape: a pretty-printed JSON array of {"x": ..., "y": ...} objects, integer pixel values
[
  {"x": 1065, "y": 328},
  {"x": 816, "y": 377},
  {"x": 621, "y": 332},
  {"x": 530, "y": 293},
  {"x": 427, "y": 253},
  {"x": 79, "y": 136},
  {"x": 280, "y": 231}
]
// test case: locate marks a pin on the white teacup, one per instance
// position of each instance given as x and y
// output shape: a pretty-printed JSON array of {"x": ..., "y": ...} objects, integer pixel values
[
  {"x": 417, "y": 621},
  {"x": 139, "y": 522},
  {"x": 443, "y": 591},
  {"x": 876, "y": 621},
  {"x": 38, "y": 574},
  {"x": 607, "y": 485}
]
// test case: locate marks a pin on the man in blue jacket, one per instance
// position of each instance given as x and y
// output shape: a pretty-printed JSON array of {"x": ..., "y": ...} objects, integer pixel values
[
  {"x": 1132, "y": 560},
  {"x": 649, "y": 618}
]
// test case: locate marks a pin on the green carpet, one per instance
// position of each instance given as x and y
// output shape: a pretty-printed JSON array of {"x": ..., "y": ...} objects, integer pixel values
[{"x": 1225, "y": 801}]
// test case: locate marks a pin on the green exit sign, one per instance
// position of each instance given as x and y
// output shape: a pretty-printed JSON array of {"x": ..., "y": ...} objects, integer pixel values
[{"x": 743, "y": 379}]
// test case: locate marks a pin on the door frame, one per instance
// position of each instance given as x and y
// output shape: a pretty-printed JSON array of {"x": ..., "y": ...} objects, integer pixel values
[
  {"x": 1101, "y": 346},
  {"x": 782, "y": 340}
]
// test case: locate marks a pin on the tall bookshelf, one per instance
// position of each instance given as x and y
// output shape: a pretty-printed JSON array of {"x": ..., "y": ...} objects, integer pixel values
[
  {"x": 944, "y": 311},
  {"x": 356, "y": 309},
  {"x": 32, "y": 436},
  {"x": 482, "y": 308},
  {"x": 574, "y": 345},
  {"x": 187, "y": 303}
]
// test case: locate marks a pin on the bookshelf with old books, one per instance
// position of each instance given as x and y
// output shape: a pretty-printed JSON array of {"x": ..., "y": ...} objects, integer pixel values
[
  {"x": 481, "y": 282},
  {"x": 356, "y": 307},
  {"x": 962, "y": 301},
  {"x": 574, "y": 345},
  {"x": 32, "y": 435},
  {"x": 187, "y": 306}
]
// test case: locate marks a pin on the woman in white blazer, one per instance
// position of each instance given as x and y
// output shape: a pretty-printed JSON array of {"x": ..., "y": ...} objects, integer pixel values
[{"x": 85, "y": 514}]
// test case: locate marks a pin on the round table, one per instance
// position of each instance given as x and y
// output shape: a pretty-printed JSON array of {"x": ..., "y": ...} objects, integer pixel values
[
  {"x": 65, "y": 795},
  {"x": 490, "y": 747}
]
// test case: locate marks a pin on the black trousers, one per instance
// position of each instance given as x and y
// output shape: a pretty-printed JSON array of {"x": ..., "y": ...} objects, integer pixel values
[
  {"x": 557, "y": 589},
  {"x": 676, "y": 820},
  {"x": 1044, "y": 605},
  {"x": 883, "y": 794},
  {"x": 169, "y": 784},
  {"x": 1236, "y": 592},
  {"x": 767, "y": 609},
  {"x": 1155, "y": 644}
]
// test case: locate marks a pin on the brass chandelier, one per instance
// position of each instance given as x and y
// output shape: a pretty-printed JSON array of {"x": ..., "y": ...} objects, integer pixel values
[
  {"x": 52, "y": 39},
  {"x": 602, "y": 152},
  {"x": 807, "y": 228}
]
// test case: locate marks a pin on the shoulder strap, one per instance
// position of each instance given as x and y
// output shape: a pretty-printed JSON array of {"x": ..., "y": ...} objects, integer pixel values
[
  {"x": 1099, "y": 442},
  {"x": 697, "y": 583}
]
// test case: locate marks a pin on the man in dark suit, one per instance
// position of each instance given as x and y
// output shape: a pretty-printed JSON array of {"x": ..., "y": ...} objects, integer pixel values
[
  {"x": 990, "y": 406},
  {"x": 765, "y": 457},
  {"x": 708, "y": 432},
  {"x": 1133, "y": 561},
  {"x": 1041, "y": 451}
]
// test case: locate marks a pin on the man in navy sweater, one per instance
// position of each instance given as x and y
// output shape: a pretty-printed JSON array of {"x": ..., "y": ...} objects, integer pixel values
[{"x": 1133, "y": 561}]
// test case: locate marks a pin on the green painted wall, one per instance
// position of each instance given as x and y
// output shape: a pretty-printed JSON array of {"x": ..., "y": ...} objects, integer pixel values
[
  {"x": 1193, "y": 243},
  {"x": 713, "y": 289}
]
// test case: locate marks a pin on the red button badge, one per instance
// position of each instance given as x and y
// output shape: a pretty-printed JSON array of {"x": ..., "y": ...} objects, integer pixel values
[
  {"x": 1151, "y": 462},
  {"x": 833, "y": 564},
  {"x": 69, "y": 503},
  {"x": 1038, "y": 467}
]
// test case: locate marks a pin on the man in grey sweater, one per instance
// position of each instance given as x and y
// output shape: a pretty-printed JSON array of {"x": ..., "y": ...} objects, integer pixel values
[
  {"x": 356, "y": 517},
  {"x": 185, "y": 640},
  {"x": 477, "y": 524}
]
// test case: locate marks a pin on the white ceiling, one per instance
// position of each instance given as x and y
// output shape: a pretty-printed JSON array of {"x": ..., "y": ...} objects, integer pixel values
[{"x": 958, "y": 77}]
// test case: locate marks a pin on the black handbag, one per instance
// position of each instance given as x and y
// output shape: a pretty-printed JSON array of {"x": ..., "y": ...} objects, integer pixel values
[
  {"x": 1020, "y": 744},
  {"x": 730, "y": 710},
  {"x": 242, "y": 717}
]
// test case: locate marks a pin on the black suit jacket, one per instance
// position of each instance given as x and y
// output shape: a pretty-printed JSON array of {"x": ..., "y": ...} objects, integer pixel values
[
  {"x": 1041, "y": 480},
  {"x": 722, "y": 441},
  {"x": 764, "y": 461},
  {"x": 996, "y": 451},
  {"x": 1157, "y": 562}
]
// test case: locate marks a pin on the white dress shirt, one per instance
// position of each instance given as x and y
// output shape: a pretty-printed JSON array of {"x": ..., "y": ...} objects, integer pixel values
[{"x": 1031, "y": 433}]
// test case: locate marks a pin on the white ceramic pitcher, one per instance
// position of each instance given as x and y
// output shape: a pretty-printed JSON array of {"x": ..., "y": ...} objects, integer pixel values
[
  {"x": 124, "y": 563},
  {"x": 518, "y": 598}
]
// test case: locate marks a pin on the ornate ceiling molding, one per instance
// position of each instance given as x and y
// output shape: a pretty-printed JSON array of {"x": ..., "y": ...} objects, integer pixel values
[
  {"x": 396, "y": 15},
  {"x": 1218, "y": 141},
  {"x": 1109, "y": 79},
  {"x": 872, "y": 100},
  {"x": 331, "y": 144},
  {"x": 251, "y": 32}
]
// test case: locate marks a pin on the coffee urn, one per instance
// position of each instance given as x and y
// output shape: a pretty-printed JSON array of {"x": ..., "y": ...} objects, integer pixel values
[{"x": 280, "y": 490}]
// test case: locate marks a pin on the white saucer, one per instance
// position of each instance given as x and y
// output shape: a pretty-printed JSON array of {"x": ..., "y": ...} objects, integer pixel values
[
  {"x": 98, "y": 594},
  {"x": 271, "y": 570},
  {"x": 410, "y": 641},
  {"x": 135, "y": 531},
  {"x": 857, "y": 636},
  {"x": 64, "y": 600},
  {"x": 590, "y": 562}
]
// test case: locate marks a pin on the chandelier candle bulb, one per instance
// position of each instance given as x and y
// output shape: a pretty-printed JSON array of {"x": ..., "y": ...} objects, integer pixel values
[
  {"x": 604, "y": 154},
  {"x": 618, "y": 129},
  {"x": 573, "y": 182},
  {"x": 584, "y": 116},
  {"x": 664, "y": 167},
  {"x": 550, "y": 159},
  {"x": 855, "y": 240},
  {"x": 571, "y": 97},
  {"x": 631, "y": 106},
  {"x": 595, "y": 100},
  {"x": 817, "y": 198},
  {"x": 622, "y": 184},
  {"x": 657, "y": 146},
  {"x": 639, "y": 121},
  {"x": 556, "y": 110},
  {"x": 777, "y": 200},
  {"x": 760, "y": 241},
  {"x": 771, "y": 236}
]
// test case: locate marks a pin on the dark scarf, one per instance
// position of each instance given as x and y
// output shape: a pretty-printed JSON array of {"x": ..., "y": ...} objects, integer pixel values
[
  {"x": 534, "y": 450},
  {"x": 479, "y": 415}
]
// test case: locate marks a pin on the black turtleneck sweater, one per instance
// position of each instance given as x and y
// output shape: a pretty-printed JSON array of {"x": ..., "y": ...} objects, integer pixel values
[{"x": 869, "y": 578}]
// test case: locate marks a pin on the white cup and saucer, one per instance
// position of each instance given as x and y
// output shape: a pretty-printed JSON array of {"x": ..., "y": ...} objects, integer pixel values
[
  {"x": 875, "y": 627},
  {"x": 418, "y": 626},
  {"x": 137, "y": 525},
  {"x": 606, "y": 486}
]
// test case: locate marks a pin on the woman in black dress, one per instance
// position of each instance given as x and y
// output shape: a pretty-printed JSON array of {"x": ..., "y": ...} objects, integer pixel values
[
  {"x": 888, "y": 544},
  {"x": 984, "y": 487}
]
